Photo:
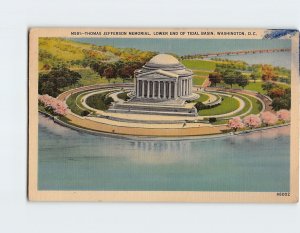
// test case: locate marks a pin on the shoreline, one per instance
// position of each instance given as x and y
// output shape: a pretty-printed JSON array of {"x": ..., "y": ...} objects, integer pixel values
[{"x": 154, "y": 137}]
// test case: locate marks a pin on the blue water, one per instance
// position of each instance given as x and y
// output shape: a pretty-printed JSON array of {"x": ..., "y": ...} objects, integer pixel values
[
  {"x": 69, "y": 160},
  {"x": 196, "y": 46}
]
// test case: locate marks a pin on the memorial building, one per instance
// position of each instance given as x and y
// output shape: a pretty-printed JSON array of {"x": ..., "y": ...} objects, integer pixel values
[
  {"x": 161, "y": 87},
  {"x": 163, "y": 77}
]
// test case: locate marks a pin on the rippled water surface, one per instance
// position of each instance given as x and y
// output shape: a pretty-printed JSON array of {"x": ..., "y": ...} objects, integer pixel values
[{"x": 69, "y": 160}]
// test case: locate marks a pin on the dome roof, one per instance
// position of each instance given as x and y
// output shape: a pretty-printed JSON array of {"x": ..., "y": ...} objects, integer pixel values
[
  {"x": 163, "y": 59},
  {"x": 165, "y": 62}
]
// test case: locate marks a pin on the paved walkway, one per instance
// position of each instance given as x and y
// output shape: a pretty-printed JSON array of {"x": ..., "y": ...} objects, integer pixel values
[
  {"x": 116, "y": 98},
  {"x": 240, "y": 108},
  {"x": 211, "y": 99},
  {"x": 143, "y": 131}
]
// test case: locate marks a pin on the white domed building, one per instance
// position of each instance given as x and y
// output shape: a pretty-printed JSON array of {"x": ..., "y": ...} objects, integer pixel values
[
  {"x": 161, "y": 87},
  {"x": 164, "y": 78}
]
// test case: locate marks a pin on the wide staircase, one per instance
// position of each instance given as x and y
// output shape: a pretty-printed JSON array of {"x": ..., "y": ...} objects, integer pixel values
[{"x": 168, "y": 108}]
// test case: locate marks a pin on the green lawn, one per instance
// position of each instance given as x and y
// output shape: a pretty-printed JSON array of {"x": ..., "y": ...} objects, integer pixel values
[
  {"x": 198, "y": 80},
  {"x": 220, "y": 122},
  {"x": 202, "y": 98},
  {"x": 97, "y": 101},
  {"x": 199, "y": 64},
  {"x": 202, "y": 72},
  {"x": 123, "y": 96},
  {"x": 246, "y": 107},
  {"x": 251, "y": 86},
  {"x": 228, "y": 104},
  {"x": 71, "y": 102},
  {"x": 256, "y": 105}
]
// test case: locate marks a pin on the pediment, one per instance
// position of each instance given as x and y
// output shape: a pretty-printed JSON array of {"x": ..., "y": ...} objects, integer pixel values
[{"x": 158, "y": 74}]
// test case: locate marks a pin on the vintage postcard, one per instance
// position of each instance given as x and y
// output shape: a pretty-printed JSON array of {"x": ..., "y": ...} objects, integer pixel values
[{"x": 163, "y": 115}]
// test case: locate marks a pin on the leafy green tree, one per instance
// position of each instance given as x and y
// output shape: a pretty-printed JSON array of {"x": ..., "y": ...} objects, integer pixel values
[
  {"x": 229, "y": 77},
  {"x": 279, "y": 103},
  {"x": 255, "y": 75},
  {"x": 268, "y": 86},
  {"x": 50, "y": 83},
  {"x": 215, "y": 78},
  {"x": 110, "y": 72},
  {"x": 242, "y": 80}
]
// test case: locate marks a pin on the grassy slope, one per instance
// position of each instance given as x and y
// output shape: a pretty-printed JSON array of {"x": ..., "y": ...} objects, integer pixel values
[
  {"x": 96, "y": 101},
  {"x": 198, "y": 80},
  {"x": 71, "y": 53},
  {"x": 252, "y": 86},
  {"x": 228, "y": 104},
  {"x": 199, "y": 64}
]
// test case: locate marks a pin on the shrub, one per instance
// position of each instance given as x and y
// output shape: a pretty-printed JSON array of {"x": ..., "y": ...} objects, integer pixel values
[
  {"x": 200, "y": 106},
  {"x": 108, "y": 101},
  {"x": 212, "y": 120},
  {"x": 84, "y": 113}
]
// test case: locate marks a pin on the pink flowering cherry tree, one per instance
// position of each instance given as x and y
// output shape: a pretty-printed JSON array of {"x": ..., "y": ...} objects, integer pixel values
[
  {"x": 268, "y": 118},
  {"x": 283, "y": 115},
  {"x": 55, "y": 106},
  {"x": 236, "y": 123},
  {"x": 252, "y": 121}
]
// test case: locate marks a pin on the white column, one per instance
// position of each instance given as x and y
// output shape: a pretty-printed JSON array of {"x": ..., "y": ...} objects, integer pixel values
[
  {"x": 175, "y": 89},
  {"x": 184, "y": 87},
  {"x": 170, "y": 89},
  {"x": 143, "y": 88},
  {"x": 165, "y": 90},
  {"x": 153, "y": 89},
  {"x": 181, "y": 87},
  {"x": 159, "y": 89},
  {"x": 188, "y": 86},
  {"x": 137, "y": 88},
  {"x": 191, "y": 86},
  {"x": 148, "y": 89}
]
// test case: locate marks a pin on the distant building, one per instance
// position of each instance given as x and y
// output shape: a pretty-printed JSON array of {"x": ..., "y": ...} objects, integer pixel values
[{"x": 163, "y": 77}]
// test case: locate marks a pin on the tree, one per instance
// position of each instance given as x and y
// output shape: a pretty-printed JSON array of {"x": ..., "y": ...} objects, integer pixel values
[
  {"x": 57, "y": 78},
  {"x": 283, "y": 115},
  {"x": 281, "y": 103},
  {"x": 127, "y": 70},
  {"x": 215, "y": 78},
  {"x": 252, "y": 121},
  {"x": 242, "y": 81},
  {"x": 229, "y": 77},
  {"x": 53, "y": 105},
  {"x": 268, "y": 73},
  {"x": 276, "y": 92},
  {"x": 268, "y": 86},
  {"x": 236, "y": 123},
  {"x": 110, "y": 72},
  {"x": 268, "y": 118},
  {"x": 255, "y": 75}
]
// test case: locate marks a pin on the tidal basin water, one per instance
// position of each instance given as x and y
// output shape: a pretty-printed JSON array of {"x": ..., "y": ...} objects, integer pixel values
[{"x": 70, "y": 160}]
